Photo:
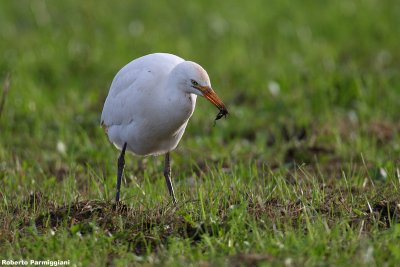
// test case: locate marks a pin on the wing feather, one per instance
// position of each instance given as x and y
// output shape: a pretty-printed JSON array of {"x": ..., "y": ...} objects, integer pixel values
[{"x": 133, "y": 87}]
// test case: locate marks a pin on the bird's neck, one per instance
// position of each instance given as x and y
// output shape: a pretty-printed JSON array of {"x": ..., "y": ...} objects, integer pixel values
[{"x": 176, "y": 102}]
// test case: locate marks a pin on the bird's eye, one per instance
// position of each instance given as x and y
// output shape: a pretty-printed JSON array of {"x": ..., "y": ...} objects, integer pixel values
[{"x": 194, "y": 83}]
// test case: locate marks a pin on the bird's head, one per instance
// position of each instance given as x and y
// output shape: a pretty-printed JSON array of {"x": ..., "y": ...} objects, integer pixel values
[{"x": 194, "y": 79}]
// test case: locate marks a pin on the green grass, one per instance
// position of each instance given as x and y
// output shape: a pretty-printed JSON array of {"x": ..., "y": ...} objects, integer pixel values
[{"x": 304, "y": 171}]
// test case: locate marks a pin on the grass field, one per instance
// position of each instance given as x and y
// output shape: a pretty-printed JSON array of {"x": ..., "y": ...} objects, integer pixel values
[{"x": 305, "y": 171}]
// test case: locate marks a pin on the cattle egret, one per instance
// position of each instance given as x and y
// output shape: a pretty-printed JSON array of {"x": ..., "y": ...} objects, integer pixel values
[{"x": 149, "y": 105}]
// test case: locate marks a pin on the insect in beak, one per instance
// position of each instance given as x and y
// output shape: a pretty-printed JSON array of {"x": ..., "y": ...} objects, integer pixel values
[{"x": 222, "y": 113}]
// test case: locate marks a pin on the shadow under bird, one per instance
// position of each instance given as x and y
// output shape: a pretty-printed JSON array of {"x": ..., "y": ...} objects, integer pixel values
[{"x": 149, "y": 105}]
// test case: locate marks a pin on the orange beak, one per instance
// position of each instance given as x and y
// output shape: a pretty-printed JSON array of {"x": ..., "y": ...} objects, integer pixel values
[{"x": 209, "y": 93}]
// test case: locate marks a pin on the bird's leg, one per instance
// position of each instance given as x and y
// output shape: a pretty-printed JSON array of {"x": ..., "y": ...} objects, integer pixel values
[
  {"x": 121, "y": 164},
  {"x": 167, "y": 174}
]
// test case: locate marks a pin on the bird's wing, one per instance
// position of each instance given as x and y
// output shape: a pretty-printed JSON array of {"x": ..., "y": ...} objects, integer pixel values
[{"x": 133, "y": 87}]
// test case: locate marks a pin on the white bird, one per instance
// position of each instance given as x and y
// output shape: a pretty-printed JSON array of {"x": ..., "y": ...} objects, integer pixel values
[{"x": 149, "y": 105}]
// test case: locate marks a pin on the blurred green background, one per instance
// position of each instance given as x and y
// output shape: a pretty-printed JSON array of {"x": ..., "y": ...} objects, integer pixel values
[{"x": 322, "y": 73}]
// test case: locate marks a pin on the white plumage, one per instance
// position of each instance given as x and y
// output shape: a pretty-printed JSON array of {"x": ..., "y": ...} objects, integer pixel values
[{"x": 150, "y": 102}]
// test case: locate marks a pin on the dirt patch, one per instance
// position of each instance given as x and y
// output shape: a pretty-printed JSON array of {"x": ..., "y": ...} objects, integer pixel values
[
  {"x": 75, "y": 213},
  {"x": 337, "y": 203},
  {"x": 142, "y": 230},
  {"x": 294, "y": 132},
  {"x": 274, "y": 208},
  {"x": 306, "y": 153},
  {"x": 58, "y": 170},
  {"x": 250, "y": 259},
  {"x": 385, "y": 212},
  {"x": 383, "y": 131},
  {"x": 138, "y": 228},
  {"x": 34, "y": 200}
]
